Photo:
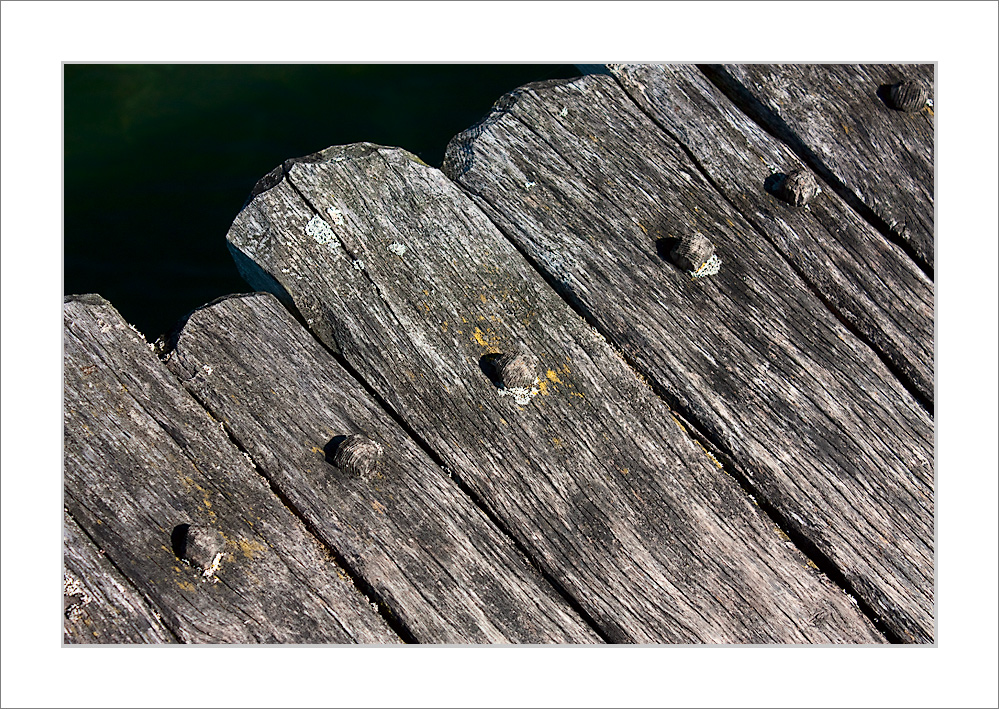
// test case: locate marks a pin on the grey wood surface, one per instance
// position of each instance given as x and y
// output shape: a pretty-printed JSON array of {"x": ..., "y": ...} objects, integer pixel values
[
  {"x": 869, "y": 282},
  {"x": 100, "y": 606},
  {"x": 441, "y": 568},
  {"x": 595, "y": 195},
  {"x": 398, "y": 272},
  {"x": 143, "y": 458},
  {"x": 836, "y": 116}
]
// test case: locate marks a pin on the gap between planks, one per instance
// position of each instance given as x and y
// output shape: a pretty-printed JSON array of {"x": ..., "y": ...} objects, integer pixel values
[
  {"x": 755, "y": 110},
  {"x": 462, "y": 485},
  {"x": 717, "y": 454},
  {"x": 148, "y": 601},
  {"x": 855, "y": 204}
]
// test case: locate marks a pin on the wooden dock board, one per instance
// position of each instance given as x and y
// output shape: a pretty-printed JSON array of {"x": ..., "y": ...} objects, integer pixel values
[
  {"x": 398, "y": 272},
  {"x": 99, "y": 604},
  {"x": 595, "y": 194},
  {"x": 143, "y": 458},
  {"x": 835, "y": 117},
  {"x": 442, "y": 570},
  {"x": 868, "y": 281}
]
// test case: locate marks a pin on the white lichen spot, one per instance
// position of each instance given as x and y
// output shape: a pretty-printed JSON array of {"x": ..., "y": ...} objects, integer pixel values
[
  {"x": 564, "y": 112},
  {"x": 397, "y": 249},
  {"x": 528, "y": 185},
  {"x": 521, "y": 395},
  {"x": 321, "y": 232},
  {"x": 207, "y": 369},
  {"x": 929, "y": 102},
  {"x": 336, "y": 215},
  {"x": 358, "y": 265},
  {"x": 708, "y": 268},
  {"x": 72, "y": 588},
  {"x": 213, "y": 567}
]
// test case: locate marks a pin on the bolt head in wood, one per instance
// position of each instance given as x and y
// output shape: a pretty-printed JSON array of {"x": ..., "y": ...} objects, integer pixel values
[
  {"x": 692, "y": 252},
  {"x": 203, "y": 547},
  {"x": 798, "y": 187},
  {"x": 358, "y": 455},
  {"x": 907, "y": 95},
  {"x": 514, "y": 369}
]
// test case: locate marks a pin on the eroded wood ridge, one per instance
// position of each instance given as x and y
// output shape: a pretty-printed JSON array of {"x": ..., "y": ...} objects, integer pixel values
[
  {"x": 443, "y": 571},
  {"x": 396, "y": 269},
  {"x": 840, "y": 118},
  {"x": 596, "y": 195},
  {"x": 143, "y": 461},
  {"x": 871, "y": 283}
]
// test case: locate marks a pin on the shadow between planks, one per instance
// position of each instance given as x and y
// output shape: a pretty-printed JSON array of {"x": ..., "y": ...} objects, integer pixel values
[{"x": 642, "y": 537}]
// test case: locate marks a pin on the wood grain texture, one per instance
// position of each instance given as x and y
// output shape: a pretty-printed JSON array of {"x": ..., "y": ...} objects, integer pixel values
[
  {"x": 835, "y": 115},
  {"x": 392, "y": 266},
  {"x": 142, "y": 457},
  {"x": 596, "y": 195},
  {"x": 99, "y": 604},
  {"x": 443, "y": 570},
  {"x": 869, "y": 282}
]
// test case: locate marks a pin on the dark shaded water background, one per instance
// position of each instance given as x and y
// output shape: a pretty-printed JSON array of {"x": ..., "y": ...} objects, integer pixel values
[{"x": 159, "y": 158}]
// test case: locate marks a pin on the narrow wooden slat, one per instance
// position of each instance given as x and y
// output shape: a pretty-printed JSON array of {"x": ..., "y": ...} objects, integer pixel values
[
  {"x": 584, "y": 183},
  {"x": 871, "y": 283},
  {"x": 99, "y": 604},
  {"x": 443, "y": 570},
  {"x": 143, "y": 458},
  {"x": 392, "y": 266},
  {"x": 837, "y": 117}
]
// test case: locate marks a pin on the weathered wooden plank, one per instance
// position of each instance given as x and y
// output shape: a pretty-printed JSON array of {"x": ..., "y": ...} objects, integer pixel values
[
  {"x": 869, "y": 282},
  {"x": 100, "y": 605},
  {"x": 143, "y": 459},
  {"x": 396, "y": 269},
  {"x": 837, "y": 118},
  {"x": 444, "y": 571},
  {"x": 582, "y": 181}
]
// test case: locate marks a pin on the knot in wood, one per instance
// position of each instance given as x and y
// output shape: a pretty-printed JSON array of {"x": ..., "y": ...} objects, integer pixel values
[
  {"x": 514, "y": 369},
  {"x": 692, "y": 252},
  {"x": 358, "y": 455},
  {"x": 907, "y": 95},
  {"x": 202, "y": 547},
  {"x": 798, "y": 187}
]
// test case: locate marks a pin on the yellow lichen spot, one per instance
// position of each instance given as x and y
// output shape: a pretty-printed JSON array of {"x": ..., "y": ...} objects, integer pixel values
[
  {"x": 479, "y": 337},
  {"x": 644, "y": 230},
  {"x": 729, "y": 222},
  {"x": 186, "y": 585},
  {"x": 811, "y": 564},
  {"x": 543, "y": 388},
  {"x": 378, "y": 507},
  {"x": 249, "y": 547},
  {"x": 847, "y": 130},
  {"x": 678, "y": 424},
  {"x": 557, "y": 442},
  {"x": 624, "y": 471},
  {"x": 576, "y": 393},
  {"x": 482, "y": 297},
  {"x": 553, "y": 376},
  {"x": 316, "y": 450},
  {"x": 444, "y": 326}
]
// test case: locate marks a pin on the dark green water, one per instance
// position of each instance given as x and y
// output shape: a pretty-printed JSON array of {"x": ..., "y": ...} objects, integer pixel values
[{"x": 160, "y": 158}]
